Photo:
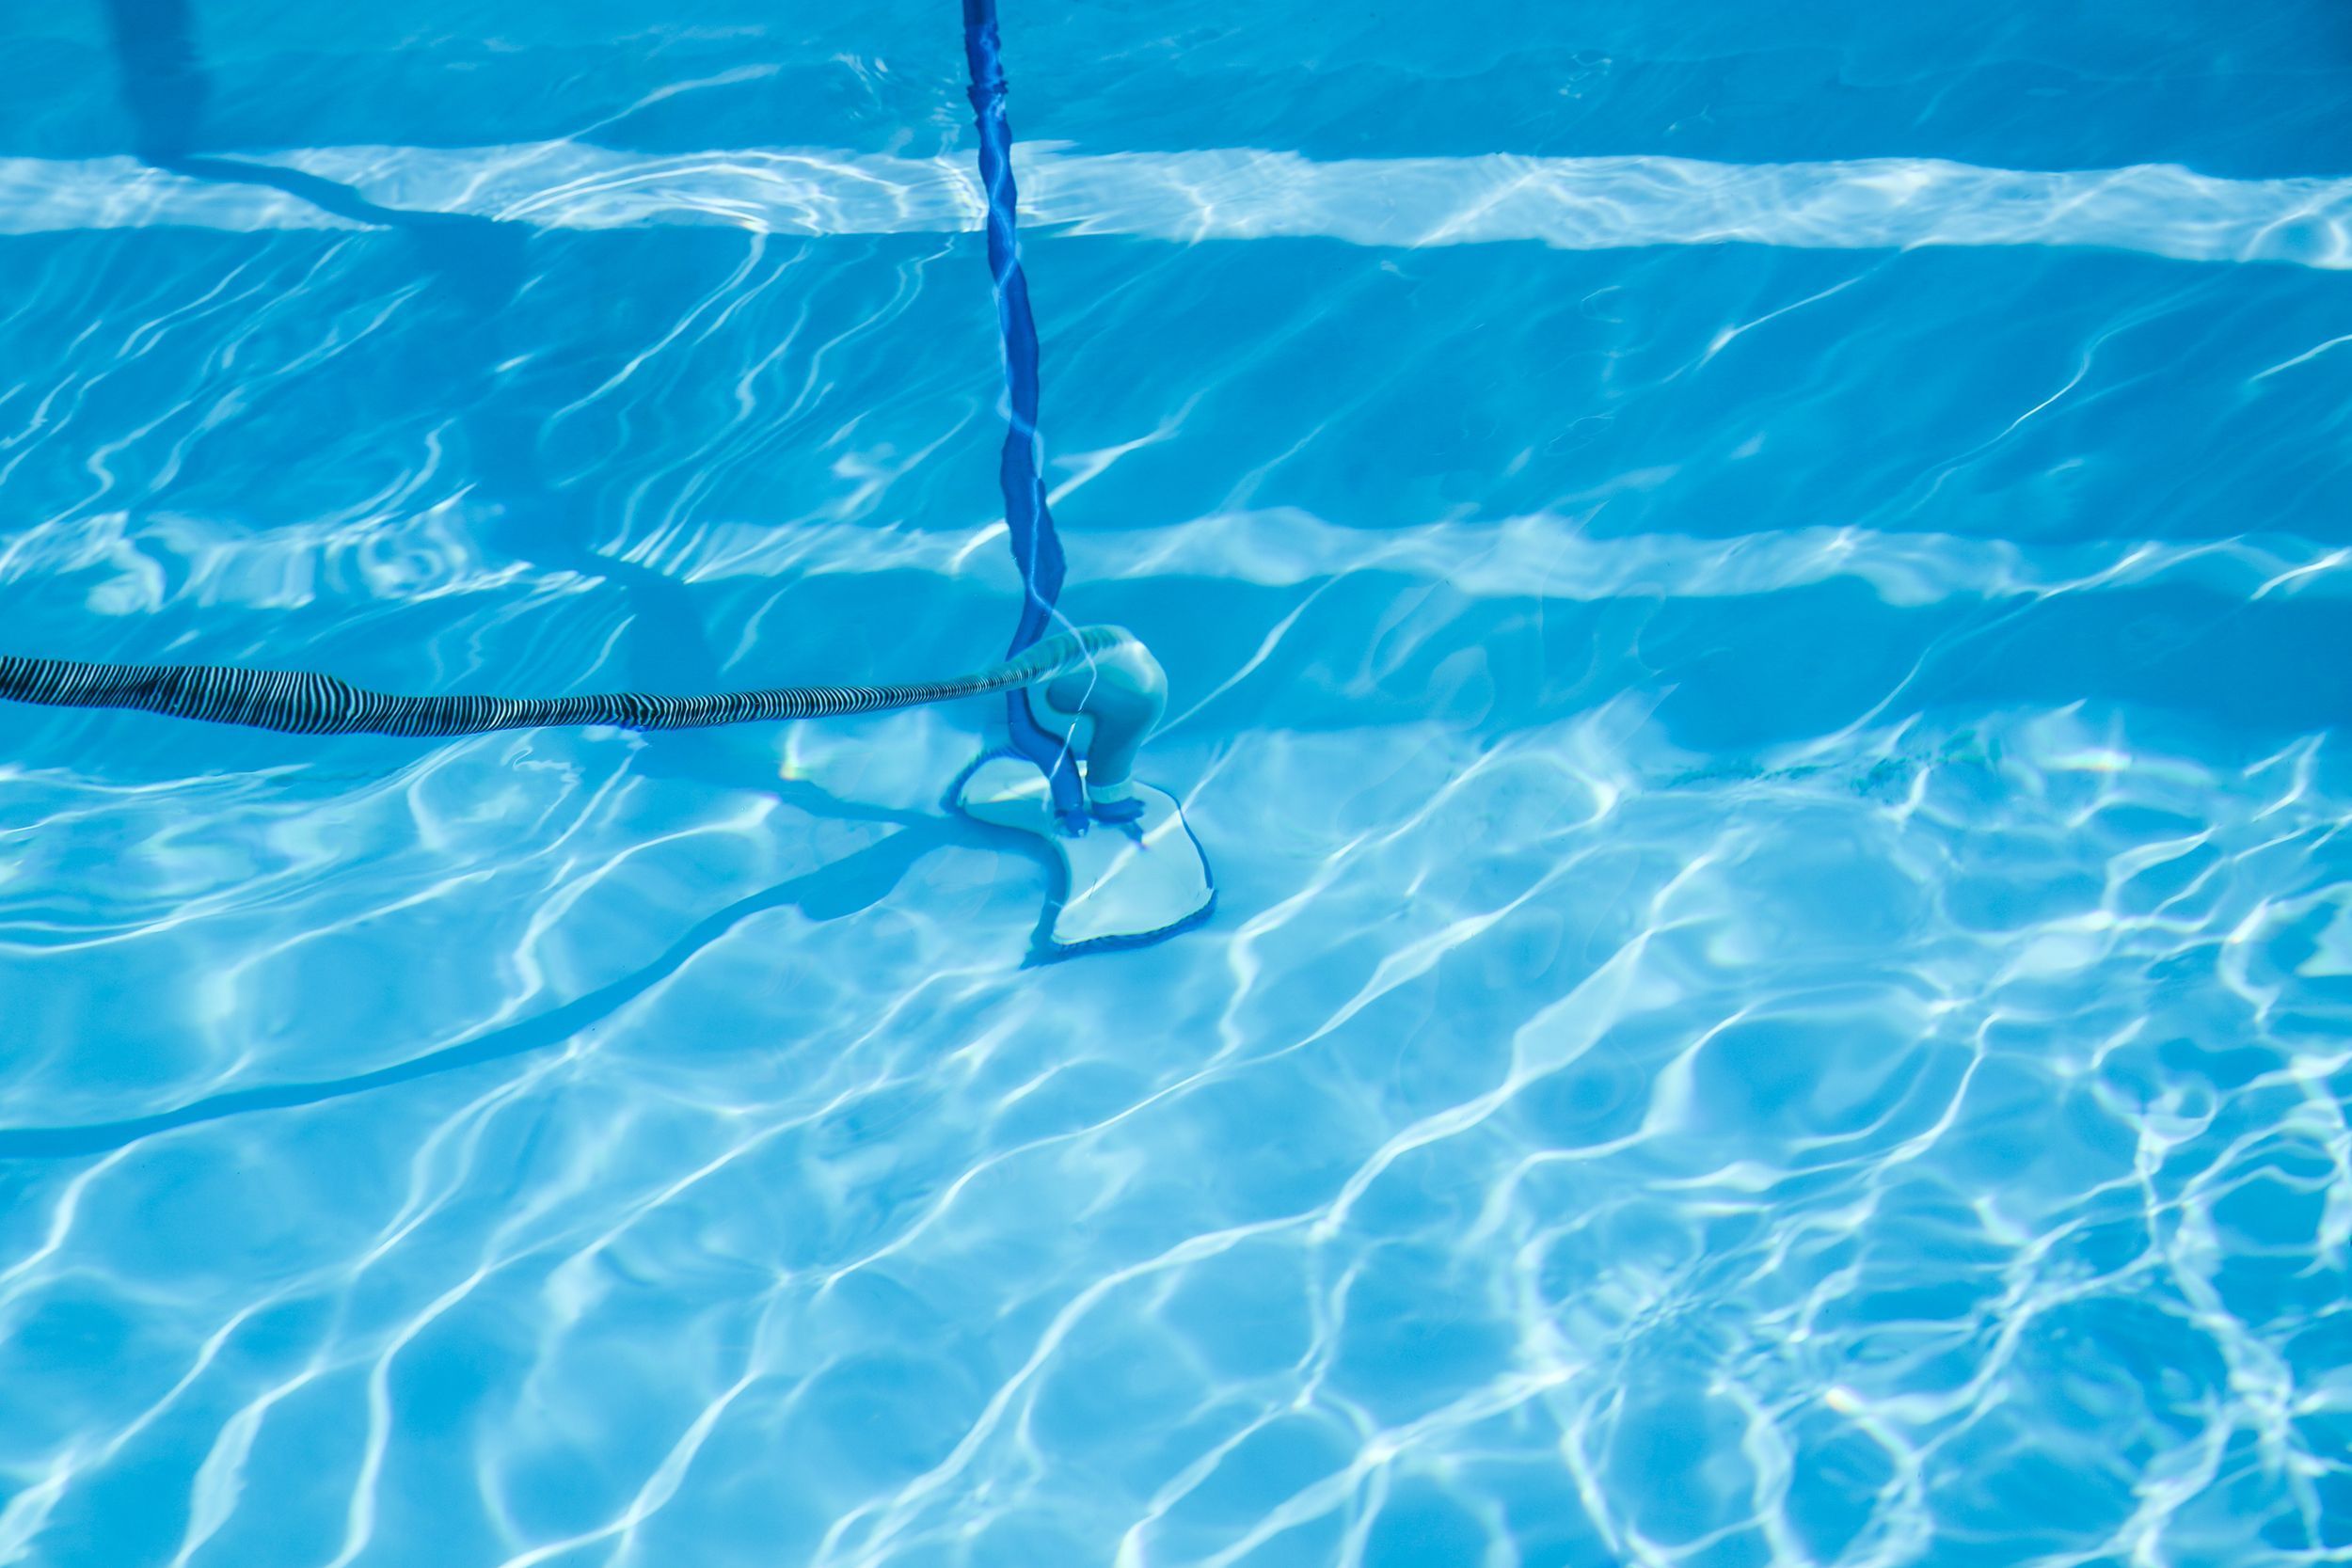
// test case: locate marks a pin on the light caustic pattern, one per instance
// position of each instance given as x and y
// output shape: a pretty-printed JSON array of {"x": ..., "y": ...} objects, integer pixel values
[
  {"x": 1785, "y": 957},
  {"x": 1244, "y": 193},
  {"x": 1933, "y": 1133}
]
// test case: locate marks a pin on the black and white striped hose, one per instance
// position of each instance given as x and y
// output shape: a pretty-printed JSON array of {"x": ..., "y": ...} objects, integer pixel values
[{"x": 1076, "y": 663}]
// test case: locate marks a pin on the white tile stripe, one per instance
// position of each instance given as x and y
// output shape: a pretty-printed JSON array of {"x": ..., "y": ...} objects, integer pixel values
[
  {"x": 1573, "y": 203},
  {"x": 1546, "y": 555},
  {"x": 117, "y": 568}
]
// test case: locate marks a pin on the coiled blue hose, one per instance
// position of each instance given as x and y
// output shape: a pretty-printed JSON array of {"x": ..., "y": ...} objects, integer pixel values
[{"x": 1036, "y": 546}]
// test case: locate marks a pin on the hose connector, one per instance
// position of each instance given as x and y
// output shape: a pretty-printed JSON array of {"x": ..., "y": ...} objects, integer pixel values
[{"x": 1105, "y": 705}]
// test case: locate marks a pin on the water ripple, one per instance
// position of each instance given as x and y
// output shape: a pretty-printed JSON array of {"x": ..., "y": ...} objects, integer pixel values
[{"x": 1773, "y": 754}]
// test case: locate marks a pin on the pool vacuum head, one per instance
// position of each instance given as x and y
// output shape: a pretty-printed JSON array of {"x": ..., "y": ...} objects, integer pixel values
[{"x": 1131, "y": 870}]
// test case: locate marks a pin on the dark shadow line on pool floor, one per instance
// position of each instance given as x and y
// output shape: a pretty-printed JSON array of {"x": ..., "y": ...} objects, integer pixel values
[
  {"x": 842, "y": 887},
  {"x": 477, "y": 267}
]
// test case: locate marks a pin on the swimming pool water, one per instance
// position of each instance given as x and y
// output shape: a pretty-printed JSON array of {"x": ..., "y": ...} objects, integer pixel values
[{"x": 1757, "y": 601}]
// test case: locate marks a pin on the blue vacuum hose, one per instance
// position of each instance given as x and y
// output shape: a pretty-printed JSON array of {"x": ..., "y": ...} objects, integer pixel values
[{"x": 1035, "y": 547}]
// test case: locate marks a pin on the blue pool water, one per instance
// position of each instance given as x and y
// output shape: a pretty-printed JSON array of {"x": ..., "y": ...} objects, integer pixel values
[{"x": 1757, "y": 599}]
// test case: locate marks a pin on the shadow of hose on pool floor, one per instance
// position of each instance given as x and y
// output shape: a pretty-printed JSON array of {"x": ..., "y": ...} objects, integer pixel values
[
  {"x": 480, "y": 262},
  {"x": 477, "y": 267},
  {"x": 856, "y": 882}
]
